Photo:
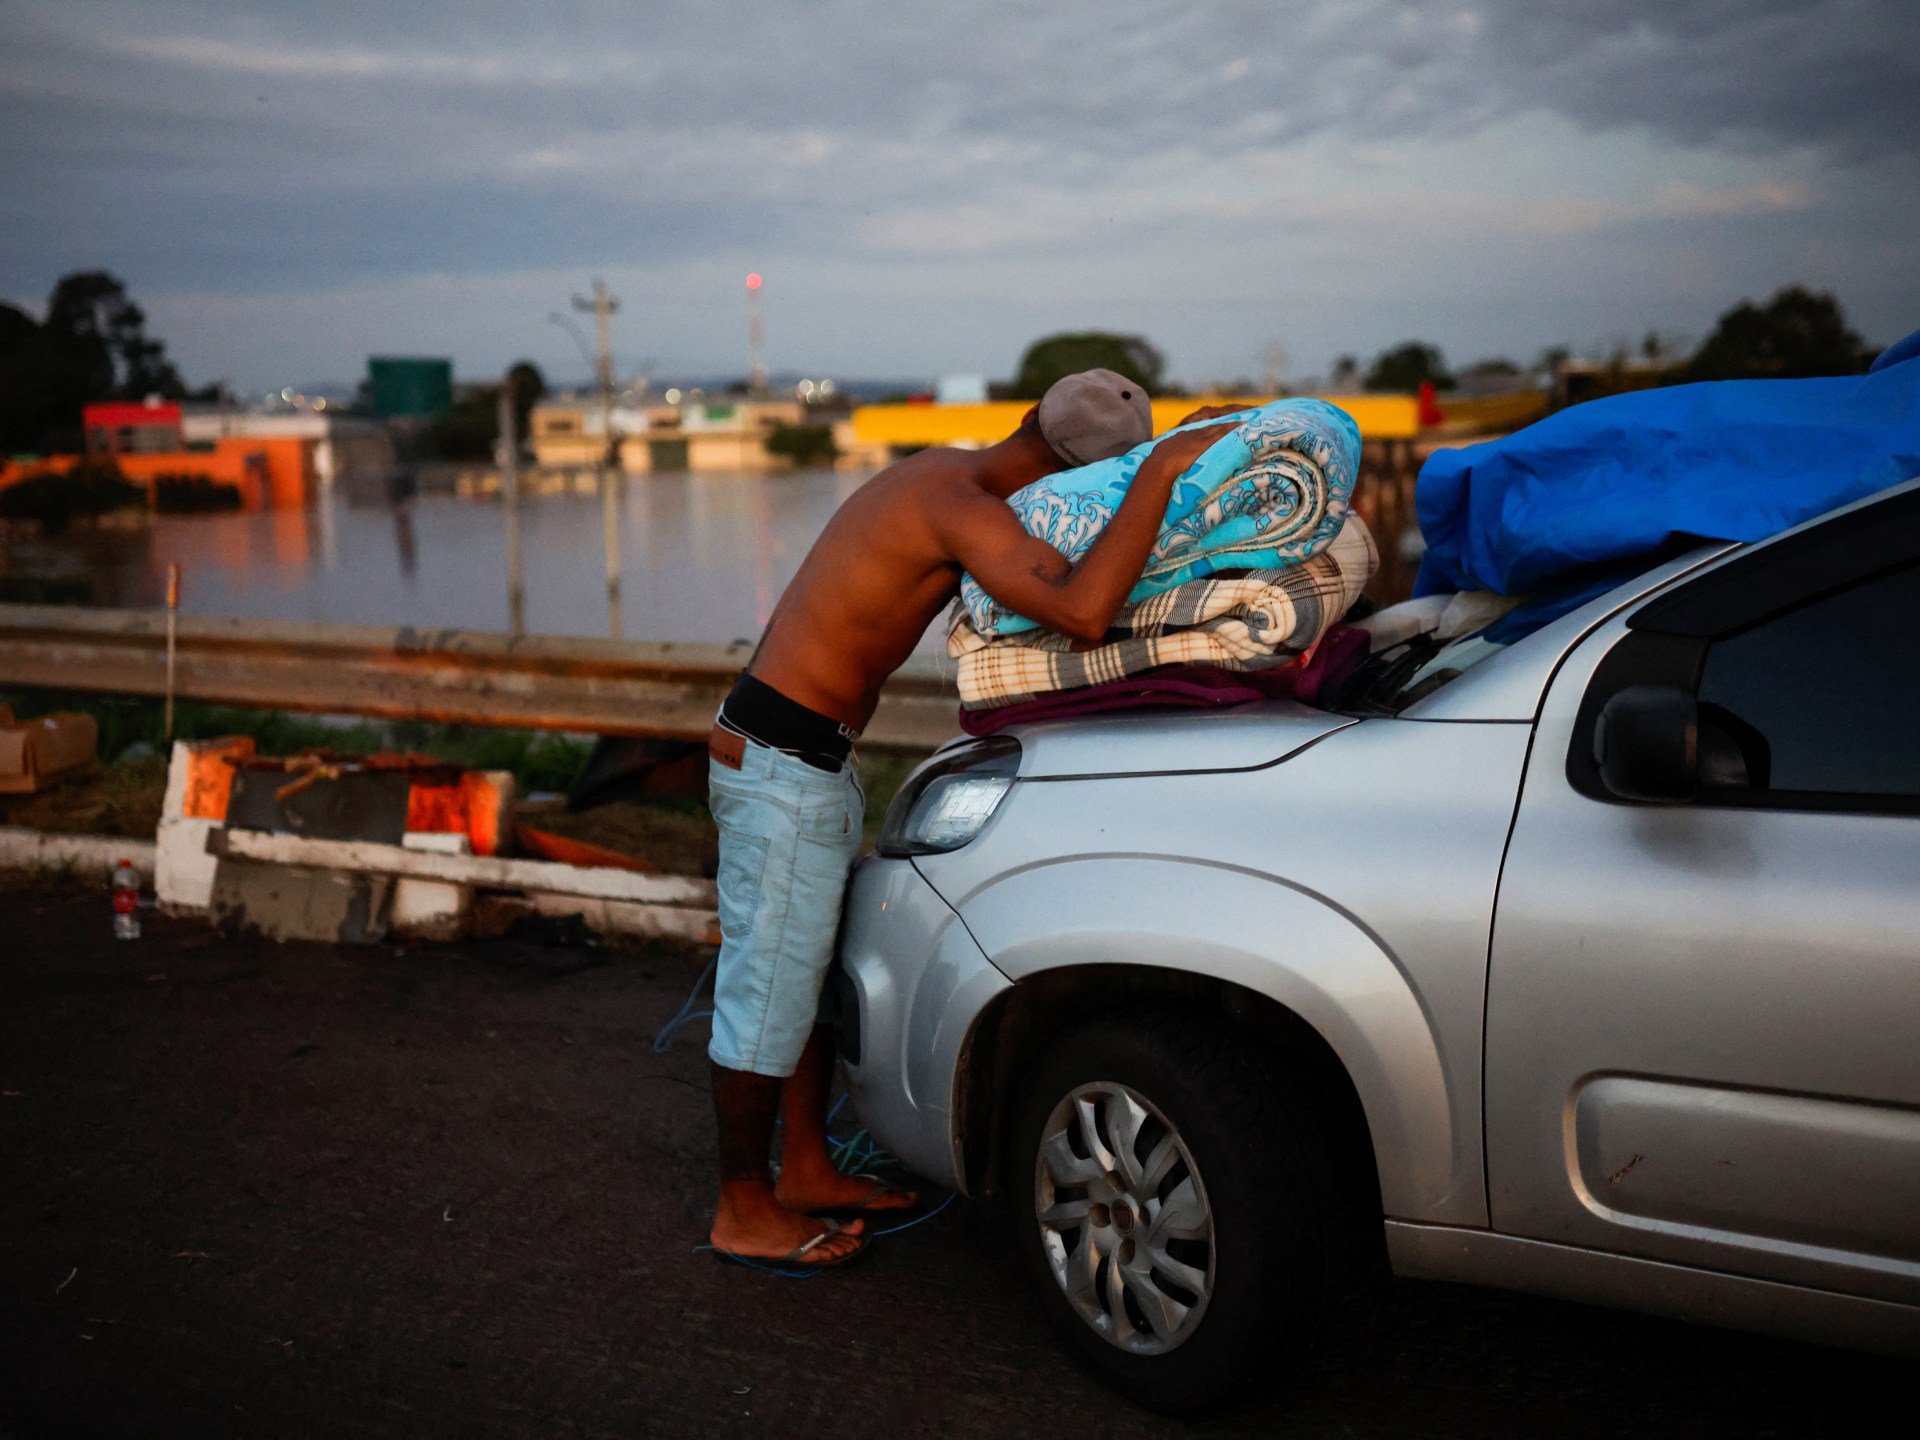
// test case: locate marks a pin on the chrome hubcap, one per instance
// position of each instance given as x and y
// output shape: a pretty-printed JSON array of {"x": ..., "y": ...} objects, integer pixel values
[{"x": 1124, "y": 1219}]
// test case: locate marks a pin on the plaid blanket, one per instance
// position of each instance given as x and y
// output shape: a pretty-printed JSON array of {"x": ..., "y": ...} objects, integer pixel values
[{"x": 1251, "y": 621}]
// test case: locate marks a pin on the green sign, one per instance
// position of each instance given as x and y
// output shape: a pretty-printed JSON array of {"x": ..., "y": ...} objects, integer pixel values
[{"x": 402, "y": 386}]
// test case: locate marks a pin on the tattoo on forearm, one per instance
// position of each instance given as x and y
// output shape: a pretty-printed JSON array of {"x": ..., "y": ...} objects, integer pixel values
[{"x": 1053, "y": 573}]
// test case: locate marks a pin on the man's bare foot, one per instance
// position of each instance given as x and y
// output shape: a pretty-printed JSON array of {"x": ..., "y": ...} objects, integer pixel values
[
  {"x": 816, "y": 1188},
  {"x": 751, "y": 1223}
]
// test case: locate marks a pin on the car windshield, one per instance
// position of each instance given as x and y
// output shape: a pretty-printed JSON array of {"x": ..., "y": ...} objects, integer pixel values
[{"x": 1392, "y": 679}]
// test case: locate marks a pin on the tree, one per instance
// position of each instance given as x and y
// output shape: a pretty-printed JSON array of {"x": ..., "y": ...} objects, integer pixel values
[
  {"x": 529, "y": 387},
  {"x": 1057, "y": 356},
  {"x": 471, "y": 428},
  {"x": 1797, "y": 334},
  {"x": 91, "y": 313},
  {"x": 804, "y": 445},
  {"x": 91, "y": 488},
  {"x": 93, "y": 345},
  {"x": 466, "y": 431},
  {"x": 1407, "y": 366},
  {"x": 34, "y": 400}
]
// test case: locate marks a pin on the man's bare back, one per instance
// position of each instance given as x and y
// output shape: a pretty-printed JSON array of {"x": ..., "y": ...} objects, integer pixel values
[{"x": 891, "y": 558}]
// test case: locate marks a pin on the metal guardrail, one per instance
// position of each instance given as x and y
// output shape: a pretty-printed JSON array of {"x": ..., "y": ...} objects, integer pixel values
[{"x": 541, "y": 682}]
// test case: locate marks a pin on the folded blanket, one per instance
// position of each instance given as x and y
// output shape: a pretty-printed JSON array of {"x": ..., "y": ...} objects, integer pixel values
[
  {"x": 1189, "y": 687},
  {"x": 1267, "y": 494},
  {"x": 1250, "y": 621}
]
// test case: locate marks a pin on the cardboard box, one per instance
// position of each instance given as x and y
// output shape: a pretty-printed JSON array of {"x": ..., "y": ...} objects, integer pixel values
[{"x": 36, "y": 753}]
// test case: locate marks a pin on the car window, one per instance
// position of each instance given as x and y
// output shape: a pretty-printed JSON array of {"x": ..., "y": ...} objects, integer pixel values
[{"x": 1832, "y": 687}]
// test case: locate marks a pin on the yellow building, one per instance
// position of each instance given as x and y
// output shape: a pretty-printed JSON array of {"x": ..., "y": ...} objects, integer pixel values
[
  {"x": 704, "y": 436},
  {"x": 1380, "y": 417},
  {"x": 559, "y": 436}
]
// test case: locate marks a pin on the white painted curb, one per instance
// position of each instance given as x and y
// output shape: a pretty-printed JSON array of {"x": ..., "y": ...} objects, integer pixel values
[{"x": 23, "y": 849}]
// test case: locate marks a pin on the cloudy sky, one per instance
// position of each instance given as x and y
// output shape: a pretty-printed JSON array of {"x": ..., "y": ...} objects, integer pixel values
[{"x": 927, "y": 187}]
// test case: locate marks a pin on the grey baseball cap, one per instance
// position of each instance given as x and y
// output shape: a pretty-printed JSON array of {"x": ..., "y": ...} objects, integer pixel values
[{"x": 1095, "y": 415}]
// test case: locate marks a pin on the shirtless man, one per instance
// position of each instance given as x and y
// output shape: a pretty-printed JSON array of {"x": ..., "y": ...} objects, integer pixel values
[{"x": 789, "y": 805}]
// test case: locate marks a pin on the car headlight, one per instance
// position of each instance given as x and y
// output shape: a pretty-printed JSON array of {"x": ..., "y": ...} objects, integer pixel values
[{"x": 948, "y": 801}]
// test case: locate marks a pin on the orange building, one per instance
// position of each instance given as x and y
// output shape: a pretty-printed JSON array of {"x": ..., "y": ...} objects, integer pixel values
[
  {"x": 120, "y": 428},
  {"x": 144, "y": 440}
]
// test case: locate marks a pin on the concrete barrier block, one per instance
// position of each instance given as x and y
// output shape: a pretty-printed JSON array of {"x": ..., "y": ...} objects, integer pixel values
[
  {"x": 182, "y": 868},
  {"x": 295, "y": 902},
  {"x": 431, "y": 909}
]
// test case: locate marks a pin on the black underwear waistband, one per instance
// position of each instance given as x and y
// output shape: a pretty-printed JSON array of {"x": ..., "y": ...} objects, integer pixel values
[{"x": 758, "y": 711}]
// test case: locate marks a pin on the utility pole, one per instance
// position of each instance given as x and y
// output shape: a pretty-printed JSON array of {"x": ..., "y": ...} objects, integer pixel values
[
  {"x": 509, "y": 458},
  {"x": 756, "y": 341},
  {"x": 602, "y": 306}
]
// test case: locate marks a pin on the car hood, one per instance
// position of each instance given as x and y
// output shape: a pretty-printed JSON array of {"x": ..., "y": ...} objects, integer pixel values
[{"x": 1171, "y": 742}]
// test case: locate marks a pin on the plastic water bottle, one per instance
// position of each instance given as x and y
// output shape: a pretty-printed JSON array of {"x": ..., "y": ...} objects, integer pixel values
[{"x": 126, "y": 902}]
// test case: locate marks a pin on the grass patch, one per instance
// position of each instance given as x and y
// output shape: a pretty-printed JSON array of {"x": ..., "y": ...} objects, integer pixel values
[
  {"x": 46, "y": 589},
  {"x": 883, "y": 775}
]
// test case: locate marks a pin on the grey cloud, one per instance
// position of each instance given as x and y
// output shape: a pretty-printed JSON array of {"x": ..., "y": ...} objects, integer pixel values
[
  {"x": 483, "y": 137},
  {"x": 1838, "y": 73},
  {"x": 1105, "y": 76}
]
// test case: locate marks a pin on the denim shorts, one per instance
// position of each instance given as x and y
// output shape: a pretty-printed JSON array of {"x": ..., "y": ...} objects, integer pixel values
[{"x": 789, "y": 834}]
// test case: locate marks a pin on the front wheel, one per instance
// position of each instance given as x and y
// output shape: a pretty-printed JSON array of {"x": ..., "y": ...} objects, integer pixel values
[{"x": 1175, "y": 1205}]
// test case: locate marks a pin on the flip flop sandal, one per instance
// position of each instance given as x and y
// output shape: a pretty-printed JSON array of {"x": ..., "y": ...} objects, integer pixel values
[
  {"x": 882, "y": 1188},
  {"x": 798, "y": 1255}
]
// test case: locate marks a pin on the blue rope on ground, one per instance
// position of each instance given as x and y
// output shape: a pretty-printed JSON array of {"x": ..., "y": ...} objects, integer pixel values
[
  {"x": 854, "y": 1154},
  {"x": 663, "y": 1037},
  {"x": 917, "y": 1220},
  {"x": 756, "y": 1265}
]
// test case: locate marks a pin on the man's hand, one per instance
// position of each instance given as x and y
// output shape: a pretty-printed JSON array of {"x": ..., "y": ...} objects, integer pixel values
[
  {"x": 1208, "y": 412},
  {"x": 1171, "y": 457}
]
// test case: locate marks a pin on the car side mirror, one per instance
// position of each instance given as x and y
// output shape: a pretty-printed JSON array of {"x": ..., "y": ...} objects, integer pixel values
[{"x": 1646, "y": 744}]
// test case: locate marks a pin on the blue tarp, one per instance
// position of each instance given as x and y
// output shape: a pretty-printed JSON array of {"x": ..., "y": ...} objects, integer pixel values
[{"x": 1725, "y": 460}]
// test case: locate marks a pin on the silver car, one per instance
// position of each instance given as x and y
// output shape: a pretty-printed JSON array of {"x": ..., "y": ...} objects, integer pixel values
[{"x": 1579, "y": 955}]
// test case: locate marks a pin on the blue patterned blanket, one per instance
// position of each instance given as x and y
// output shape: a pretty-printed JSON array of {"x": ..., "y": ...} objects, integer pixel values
[{"x": 1270, "y": 493}]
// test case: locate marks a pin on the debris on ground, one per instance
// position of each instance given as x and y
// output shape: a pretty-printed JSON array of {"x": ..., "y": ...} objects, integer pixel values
[{"x": 325, "y": 846}]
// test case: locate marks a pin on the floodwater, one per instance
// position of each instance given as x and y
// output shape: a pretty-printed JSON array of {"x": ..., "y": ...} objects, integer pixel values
[{"x": 704, "y": 558}]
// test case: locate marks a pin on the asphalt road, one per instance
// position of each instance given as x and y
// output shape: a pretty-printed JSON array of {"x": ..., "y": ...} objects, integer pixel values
[{"x": 257, "y": 1189}]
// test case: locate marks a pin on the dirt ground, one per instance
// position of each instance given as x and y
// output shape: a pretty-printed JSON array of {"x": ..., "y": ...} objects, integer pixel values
[{"x": 252, "y": 1189}]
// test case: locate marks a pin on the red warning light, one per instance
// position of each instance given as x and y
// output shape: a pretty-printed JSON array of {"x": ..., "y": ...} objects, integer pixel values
[{"x": 753, "y": 281}]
